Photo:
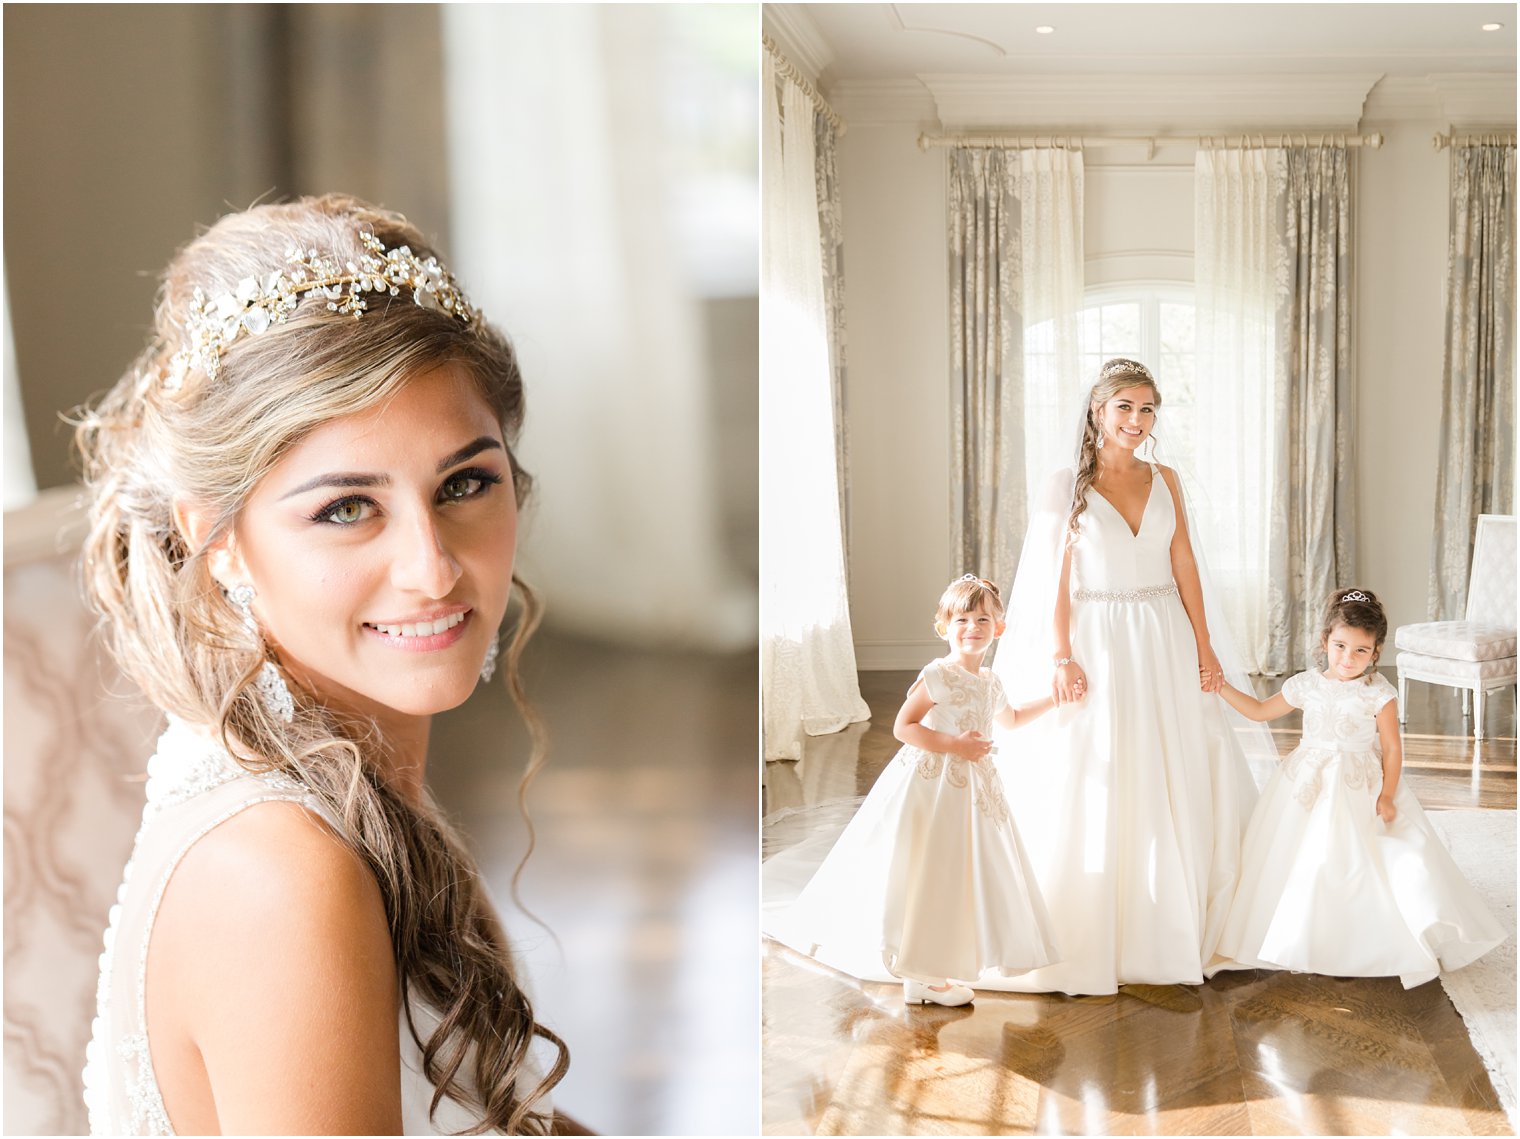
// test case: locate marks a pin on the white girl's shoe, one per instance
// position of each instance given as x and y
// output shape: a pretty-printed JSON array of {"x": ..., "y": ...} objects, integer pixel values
[{"x": 916, "y": 992}]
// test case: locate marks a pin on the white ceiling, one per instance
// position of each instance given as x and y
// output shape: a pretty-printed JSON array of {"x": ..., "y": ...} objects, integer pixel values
[{"x": 881, "y": 42}]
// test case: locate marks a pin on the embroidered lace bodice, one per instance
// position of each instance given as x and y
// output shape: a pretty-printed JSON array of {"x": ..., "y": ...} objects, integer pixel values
[
  {"x": 1340, "y": 727},
  {"x": 193, "y": 785},
  {"x": 963, "y": 702}
]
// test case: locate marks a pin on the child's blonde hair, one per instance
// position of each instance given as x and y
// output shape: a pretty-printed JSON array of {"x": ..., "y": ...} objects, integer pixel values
[{"x": 967, "y": 594}]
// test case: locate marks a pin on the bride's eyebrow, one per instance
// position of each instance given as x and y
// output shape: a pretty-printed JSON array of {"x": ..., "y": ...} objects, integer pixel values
[{"x": 353, "y": 479}]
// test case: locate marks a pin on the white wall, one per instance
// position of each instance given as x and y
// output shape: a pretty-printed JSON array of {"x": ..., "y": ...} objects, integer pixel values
[
  {"x": 897, "y": 298},
  {"x": 1138, "y": 225},
  {"x": 1402, "y": 198}
]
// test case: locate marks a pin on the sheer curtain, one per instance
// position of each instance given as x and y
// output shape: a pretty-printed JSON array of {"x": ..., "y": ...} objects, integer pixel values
[
  {"x": 831, "y": 235},
  {"x": 807, "y": 658},
  {"x": 1476, "y": 473},
  {"x": 1274, "y": 396},
  {"x": 1015, "y": 241},
  {"x": 1234, "y": 272},
  {"x": 560, "y": 159}
]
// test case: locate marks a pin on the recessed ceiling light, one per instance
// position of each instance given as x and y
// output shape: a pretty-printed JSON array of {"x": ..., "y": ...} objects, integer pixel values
[
  {"x": 1492, "y": 27},
  {"x": 1044, "y": 29}
]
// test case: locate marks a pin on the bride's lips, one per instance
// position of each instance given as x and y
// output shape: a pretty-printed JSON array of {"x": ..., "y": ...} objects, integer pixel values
[{"x": 424, "y": 644}]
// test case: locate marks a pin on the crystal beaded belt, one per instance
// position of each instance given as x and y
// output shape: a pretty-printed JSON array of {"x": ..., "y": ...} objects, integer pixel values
[{"x": 1145, "y": 593}]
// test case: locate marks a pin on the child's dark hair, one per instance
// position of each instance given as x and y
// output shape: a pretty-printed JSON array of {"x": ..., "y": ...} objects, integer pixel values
[
  {"x": 967, "y": 594},
  {"x": 1356, "y": 609}
]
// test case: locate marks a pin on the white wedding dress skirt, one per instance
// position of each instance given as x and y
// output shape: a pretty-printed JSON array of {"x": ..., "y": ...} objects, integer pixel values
[
  {"x": 928, "y": 880},
  {"x": 1131, "y": 803},
  {"x": 1325, "y": 886},
  {"x": 193, "y": 785}
]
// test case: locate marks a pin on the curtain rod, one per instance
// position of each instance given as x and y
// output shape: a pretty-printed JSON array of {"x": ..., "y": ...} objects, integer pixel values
[
  {"x": 1442, "y": 141},
  {"x": 1206, "y": 142},
  {"x": 784, "y": 66}
]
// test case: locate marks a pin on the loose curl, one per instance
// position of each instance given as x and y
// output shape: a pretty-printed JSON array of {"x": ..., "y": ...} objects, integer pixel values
[
  {"x": 1113, "y": 378},
  {"x": 174, "y": 632},
  {"x": 1364, "y": 612}
]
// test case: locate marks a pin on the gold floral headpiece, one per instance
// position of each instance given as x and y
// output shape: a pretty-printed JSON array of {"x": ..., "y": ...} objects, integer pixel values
[
  {"x": 260, "y": 302},
  {"x": 1120, "y": 366}
]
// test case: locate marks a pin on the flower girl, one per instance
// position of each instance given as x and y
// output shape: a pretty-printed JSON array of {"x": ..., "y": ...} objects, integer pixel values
[
  {"x": 1341, "y": 872},
  {"x": 929, "y": 879}
]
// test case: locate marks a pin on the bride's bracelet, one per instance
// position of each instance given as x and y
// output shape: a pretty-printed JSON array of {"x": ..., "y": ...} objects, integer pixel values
[{"x": 1064, "y": 661}]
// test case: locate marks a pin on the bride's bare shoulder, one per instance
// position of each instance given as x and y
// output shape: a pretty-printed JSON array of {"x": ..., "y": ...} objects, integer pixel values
[{"x": 275, "y": 938}]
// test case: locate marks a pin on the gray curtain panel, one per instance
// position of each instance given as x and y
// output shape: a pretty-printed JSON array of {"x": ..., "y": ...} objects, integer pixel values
[
  {"x": 1309, "y": 545},
  {"x": 1476, "y": 471},
  {"x": 988, "y": 510},
  {"x": 831, "y": 237}
]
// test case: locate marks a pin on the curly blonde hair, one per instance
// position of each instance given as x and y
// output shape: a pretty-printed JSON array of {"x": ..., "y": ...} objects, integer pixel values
[{"x": 146, "y": 446}]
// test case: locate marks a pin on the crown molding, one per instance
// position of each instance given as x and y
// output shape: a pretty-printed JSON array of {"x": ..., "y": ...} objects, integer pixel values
[
  {"x": 798, "y": 36},
  {"x": 1471, "y": 99},
  {"x": 883, "y": 101},
  {"x": 1403, "y": 97},
  {"x": 1157, "y": 103}
]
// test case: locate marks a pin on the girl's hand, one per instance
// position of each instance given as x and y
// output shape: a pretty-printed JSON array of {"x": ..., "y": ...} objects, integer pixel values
[
  {"x": 971, "y": 745},
  {"x": 1210, "y": 675},
  {"x": 1069, "y": 685},
  {"x": 1386, "y": 810}
]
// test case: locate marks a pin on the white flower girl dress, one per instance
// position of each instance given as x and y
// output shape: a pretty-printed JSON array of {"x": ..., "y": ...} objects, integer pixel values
[
  {"x": 929, "y": 881},
  {"x": 1325, "y": 886}
]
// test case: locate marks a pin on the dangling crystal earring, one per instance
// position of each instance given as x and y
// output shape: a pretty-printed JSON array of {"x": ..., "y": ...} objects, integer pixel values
[
  {"x": 488, "y": 668},
  {"x": 271, "y": 686}
]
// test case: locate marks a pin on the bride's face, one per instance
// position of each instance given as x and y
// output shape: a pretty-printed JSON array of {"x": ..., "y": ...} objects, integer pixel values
[
  {"x": 1127, "y": 418},
  {"x": 381, "y": 549}
]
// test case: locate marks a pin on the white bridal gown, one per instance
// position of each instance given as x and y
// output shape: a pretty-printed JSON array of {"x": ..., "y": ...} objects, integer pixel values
[
  {"x": 193, "y": 785},
  {"x": 928, "y": 880},
  {"x": 1132, "y": 802},
  {"x": 1325, "y": 886}
]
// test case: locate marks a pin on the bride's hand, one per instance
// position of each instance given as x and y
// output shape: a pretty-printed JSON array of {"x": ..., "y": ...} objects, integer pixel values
[
  {"x": 1069, "y": 685},
  {"x": 1210, "y": 675}
]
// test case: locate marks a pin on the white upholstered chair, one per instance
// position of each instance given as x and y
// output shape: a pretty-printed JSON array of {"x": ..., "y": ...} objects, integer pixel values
[
  {"x": 75, "y": 753},
  {"x": 1476, "y": 654}
]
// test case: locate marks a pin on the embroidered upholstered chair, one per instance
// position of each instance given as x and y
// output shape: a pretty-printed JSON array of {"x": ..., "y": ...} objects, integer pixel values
[{"x": 1476, "y": 654}]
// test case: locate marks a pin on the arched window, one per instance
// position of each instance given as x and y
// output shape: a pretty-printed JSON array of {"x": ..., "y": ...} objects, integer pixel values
[{"x": 1152, "y": 322}]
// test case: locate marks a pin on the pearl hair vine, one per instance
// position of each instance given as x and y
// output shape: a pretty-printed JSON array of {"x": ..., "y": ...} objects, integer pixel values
[{"x": 258, "y": 303}]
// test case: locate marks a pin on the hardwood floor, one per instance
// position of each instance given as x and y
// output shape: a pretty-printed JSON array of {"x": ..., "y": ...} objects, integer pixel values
[
  {"x": 1253, "y": 1052},
  {"x": 644, "y": 870}
]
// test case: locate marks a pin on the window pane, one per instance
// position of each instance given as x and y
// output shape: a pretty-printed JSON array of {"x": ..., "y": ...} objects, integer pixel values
[{"x": 1121, "y": 329}]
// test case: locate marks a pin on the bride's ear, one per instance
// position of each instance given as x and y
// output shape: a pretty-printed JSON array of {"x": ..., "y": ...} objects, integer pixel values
[{"x": 195, "y": 523}]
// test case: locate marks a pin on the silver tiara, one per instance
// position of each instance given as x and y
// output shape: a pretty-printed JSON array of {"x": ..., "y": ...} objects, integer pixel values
[
  {"x": 260, "y": 302},
  {"x": 1356, "y": 595},
  {"x": 1122, "y": 367}
]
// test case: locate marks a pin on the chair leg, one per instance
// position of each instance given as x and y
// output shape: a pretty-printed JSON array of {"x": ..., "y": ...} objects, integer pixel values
[
  {"x": 1403, "y": 696},
  {"x": 1467, "y": 701},
  {"x": 1478, "y": 712}
]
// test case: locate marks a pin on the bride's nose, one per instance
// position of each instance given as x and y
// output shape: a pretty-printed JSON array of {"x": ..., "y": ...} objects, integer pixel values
[{"x": 422, "y": 561}]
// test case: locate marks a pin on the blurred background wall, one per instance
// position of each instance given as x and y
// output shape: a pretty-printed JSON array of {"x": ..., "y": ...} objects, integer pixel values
[{"x": 590, "y": 174}]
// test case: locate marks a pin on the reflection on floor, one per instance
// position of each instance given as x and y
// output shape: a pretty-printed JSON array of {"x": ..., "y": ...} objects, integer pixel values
[
  {"x": 1247, "y": 1053},
  {"x": 644, "y": 870}
]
